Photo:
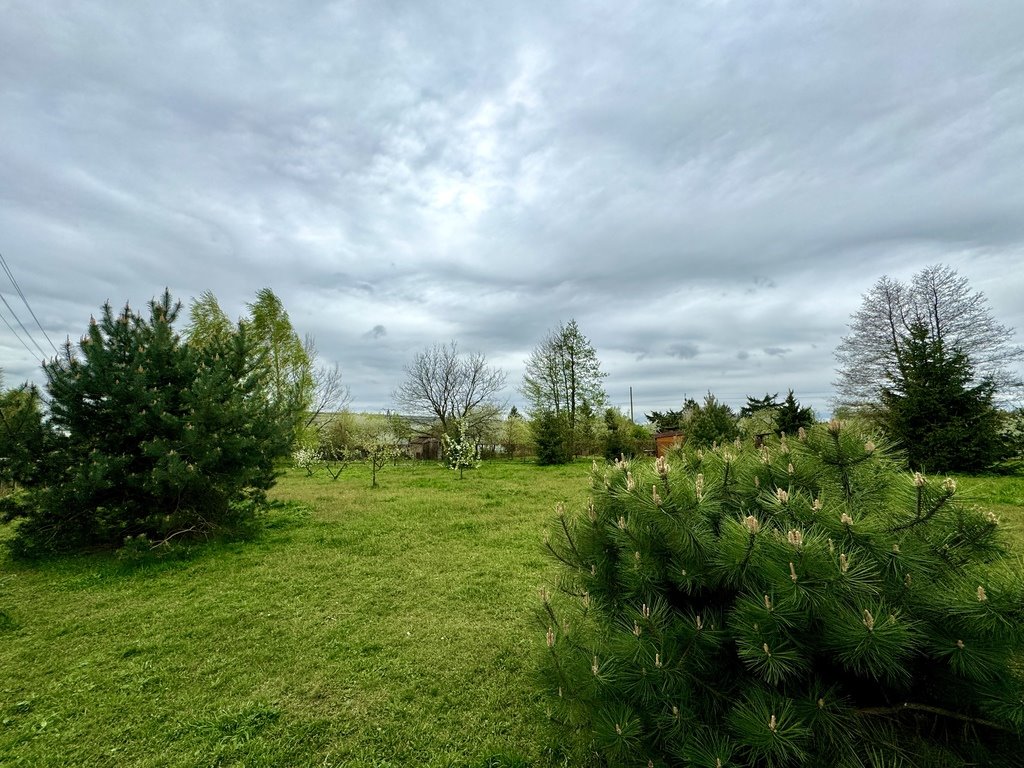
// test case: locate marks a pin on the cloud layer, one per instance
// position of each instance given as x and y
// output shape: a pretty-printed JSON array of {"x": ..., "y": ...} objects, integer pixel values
[{"x": 708, "y": 189}]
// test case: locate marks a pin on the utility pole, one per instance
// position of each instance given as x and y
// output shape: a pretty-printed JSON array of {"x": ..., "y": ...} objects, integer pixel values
[{"x": 631, "y": 404}]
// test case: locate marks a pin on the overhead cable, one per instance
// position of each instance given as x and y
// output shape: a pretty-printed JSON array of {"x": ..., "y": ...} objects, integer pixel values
[{"x": 7, "y": 269}]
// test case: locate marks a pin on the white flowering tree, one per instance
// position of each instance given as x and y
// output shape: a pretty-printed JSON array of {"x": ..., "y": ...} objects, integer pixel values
[
  {"x": 802, "y": 603},
  {"x": 462, "y": 452}
]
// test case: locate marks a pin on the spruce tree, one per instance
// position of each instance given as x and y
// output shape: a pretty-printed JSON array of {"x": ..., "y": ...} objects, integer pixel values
[
  {"x": 805, "y": 603},
  {"x": 942, "y": 420},
  {"x": 551, "y": 438},
  {"x": 709, "y": 422},
  {"x": 792, "y": 416}
]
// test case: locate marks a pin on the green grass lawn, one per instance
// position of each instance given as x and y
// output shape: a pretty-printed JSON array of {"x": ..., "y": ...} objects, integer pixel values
[
  {"x": 361, "y": 627},
  {"x": 392, "y": 626},
  {"x": 1002, "y": 495}
]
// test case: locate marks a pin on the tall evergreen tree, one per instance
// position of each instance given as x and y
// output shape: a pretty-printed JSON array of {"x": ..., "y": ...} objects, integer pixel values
[
  {"x": 664, "y": 421},
  {"x": 931, "y": 407},
  {"x": 709, "y": 422},
  {"x": 755, "y": 404},
  {"x": 551, "y": 438},
  {"x": 792, "y": 417}
]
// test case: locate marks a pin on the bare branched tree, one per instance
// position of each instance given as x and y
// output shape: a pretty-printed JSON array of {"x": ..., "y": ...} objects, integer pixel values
[
  {"x": 330, "y": 395},
  {"x": 938, "y": 298},
  {"x": 445, "y": 387}
]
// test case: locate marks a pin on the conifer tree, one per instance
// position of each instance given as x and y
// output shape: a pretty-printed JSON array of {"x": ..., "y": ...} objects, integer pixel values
[
  {"x": 805, "y": 603},
  {"x": 792, "y": 416},
  {"x": 551, "y": 438},
  {"x": 21, "y": 434},
  {"x": 150, "y": 436},
  {"x": 934, "y": 411}
]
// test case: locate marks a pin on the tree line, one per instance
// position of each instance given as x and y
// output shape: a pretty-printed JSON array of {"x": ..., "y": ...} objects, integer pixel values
[
  {"x": 148, "y": 432},
  {"x": 149, "y": 435}
]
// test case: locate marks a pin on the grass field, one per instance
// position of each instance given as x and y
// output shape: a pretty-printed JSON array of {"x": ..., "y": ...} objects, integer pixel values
[
  {"x": 360, "y": 627},
  {"x": 363, "y": 627}
]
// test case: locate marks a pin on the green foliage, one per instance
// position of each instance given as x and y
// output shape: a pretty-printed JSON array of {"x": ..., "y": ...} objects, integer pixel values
[
  {"x": 563, "y": 375},
  {"x": 150, "y": 436},
  {"x": 755, "y": 404},
  {"x": 207, "y": 322},
  {"x": 792, "y": 417},
  {"x": 942, "y": 420},
  {"x": 624, "y": 438},
  {"x": 664, "y": 421},
  {"x": 21, "y": 435},
  {"x": 802, "y": 603},
  {"x": 515, "y": 434},
  {"x": 709, "y": 422},
  {"x": 704, "y": 423},
  {"x": 339, "y": 436},
  {"x": 289, "y": 382},
  {"x": 551, "y": 437},
  {"x": 766, "y": 415}
]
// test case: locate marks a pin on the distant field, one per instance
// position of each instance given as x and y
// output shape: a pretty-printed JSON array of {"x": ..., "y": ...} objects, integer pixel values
[{"x": 386, "y": 627}]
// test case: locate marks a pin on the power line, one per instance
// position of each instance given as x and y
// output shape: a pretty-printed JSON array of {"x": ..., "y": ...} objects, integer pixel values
[
  {"x": 16, "y": 335},
  {"x": 17, "y": 287},
  {"x": 23, "y": 328}
]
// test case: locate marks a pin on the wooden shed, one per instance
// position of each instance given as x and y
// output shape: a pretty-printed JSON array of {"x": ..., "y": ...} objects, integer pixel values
[{"x": 666, "y": 441}]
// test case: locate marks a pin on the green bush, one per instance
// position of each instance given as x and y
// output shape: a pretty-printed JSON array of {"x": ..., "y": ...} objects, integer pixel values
[
  {"x": 805, "y": 603},
  {"x": 623, "y": 438},
  {"x": 21, "y": 435},
  {"x": 149, "y": 436},
  {"x": 551, "y": 436}
]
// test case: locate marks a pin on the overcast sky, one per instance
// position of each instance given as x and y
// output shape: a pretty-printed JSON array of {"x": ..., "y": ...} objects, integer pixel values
[{"x": 708, "y": 188}]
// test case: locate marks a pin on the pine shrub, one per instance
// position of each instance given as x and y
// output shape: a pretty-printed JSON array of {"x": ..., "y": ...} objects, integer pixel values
[
  {"x": 805, "y": 603},
  {"x": 149, "y": 436}
]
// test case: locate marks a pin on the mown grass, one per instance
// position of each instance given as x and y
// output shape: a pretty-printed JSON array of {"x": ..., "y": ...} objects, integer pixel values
[
  {"x": 382, "y": 627},
  {"x": 360, "y": 627},
  {"x": 1002, "y": 495}
]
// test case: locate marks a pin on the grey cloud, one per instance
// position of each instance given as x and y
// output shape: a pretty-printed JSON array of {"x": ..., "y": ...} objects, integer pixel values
[
  {"x": 683, "y": 350},
  {"x": 377, "y": 332},
  {"x": 733, "y": 177}
]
